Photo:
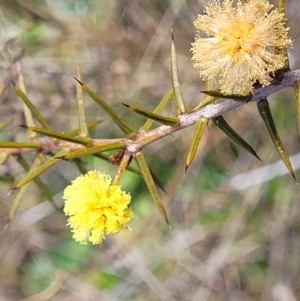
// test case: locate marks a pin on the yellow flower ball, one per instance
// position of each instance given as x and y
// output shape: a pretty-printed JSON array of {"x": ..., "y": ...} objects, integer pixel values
[
  {"x": 245, "y": 43},
  {"x": 95, "y": 207}
]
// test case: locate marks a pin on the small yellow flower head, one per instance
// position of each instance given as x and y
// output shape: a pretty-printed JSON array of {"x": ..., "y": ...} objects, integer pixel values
[
  {"x": 95, "y": 207},
  {"x": 245, "y": 43}
]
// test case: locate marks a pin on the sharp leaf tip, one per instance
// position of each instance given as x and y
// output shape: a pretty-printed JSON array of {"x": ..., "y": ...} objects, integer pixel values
[
  {"x": 81, "y": 83},
  {"x": 185, "y": 170}
]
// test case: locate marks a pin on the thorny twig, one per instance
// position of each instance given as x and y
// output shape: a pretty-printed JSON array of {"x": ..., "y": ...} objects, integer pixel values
[
  {"x": 142, "y": 138},
  {"x": 135, "y": 143}
]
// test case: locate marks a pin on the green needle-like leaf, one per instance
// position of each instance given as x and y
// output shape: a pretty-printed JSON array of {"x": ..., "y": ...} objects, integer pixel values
[
  {"x": 90, "y": 126},
  {"x": 218, "y": 94},
  {"x": 27, "y": 113},
  {"x": 148, "y": 124},
  {"x": 31, "y": 107},
  {"x": 200, "y": 127},
  {"x": 58, "y": 135},
  {"x": 44, "y": 189},
  {"x": 146, "y": 174},
  {"x": 297, "y": 94},
  {"x": 42, "y": 168},
  {"x": 265, "y": 113},
  {"x": 221, "y": 123},
  {"x": 93, "y": 150},
  {"x": 122, "y": 124},
  {"x": 180, "y": 106},
  {"x": 172, "y": 121},
  {"x": 10, "y": 144},
  {"x": 22, "y": 192},
  {"x": 83, "y": 130}
]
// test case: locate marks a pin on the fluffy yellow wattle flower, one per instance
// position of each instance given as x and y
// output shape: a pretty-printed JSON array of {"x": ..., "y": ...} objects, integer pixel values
[
  {"x": 95, "y": 207},
  {"x": 245, "y": 43}
]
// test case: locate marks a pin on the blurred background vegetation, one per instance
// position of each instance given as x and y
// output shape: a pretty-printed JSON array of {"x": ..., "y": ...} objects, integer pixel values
[{"x": 235, "y": 230}]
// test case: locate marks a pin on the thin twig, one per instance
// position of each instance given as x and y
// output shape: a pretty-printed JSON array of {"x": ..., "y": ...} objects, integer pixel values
[
  {"x": 136, "y": 142},
  {"x": 143, "y": 138}
]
